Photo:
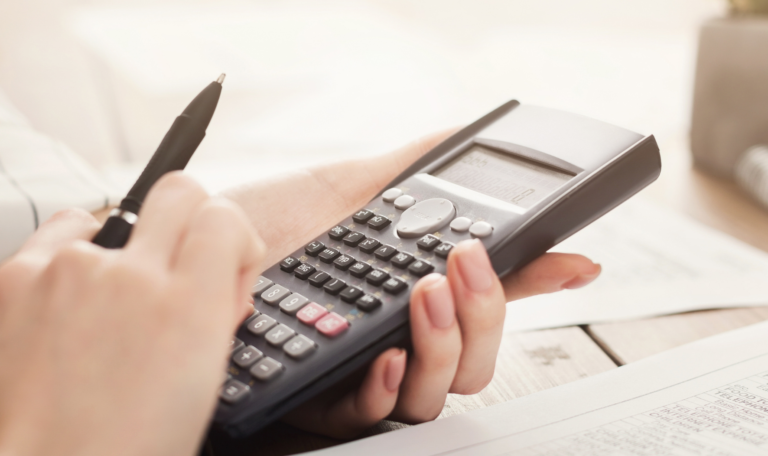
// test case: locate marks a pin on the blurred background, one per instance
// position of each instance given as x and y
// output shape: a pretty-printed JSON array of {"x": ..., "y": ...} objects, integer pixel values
[{"x": 314, "y": 81}]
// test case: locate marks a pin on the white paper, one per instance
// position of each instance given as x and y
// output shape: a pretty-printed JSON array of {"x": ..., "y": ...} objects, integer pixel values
[
  {"x": 707, "y": 398},
  {"x": 655, "y": 261}
]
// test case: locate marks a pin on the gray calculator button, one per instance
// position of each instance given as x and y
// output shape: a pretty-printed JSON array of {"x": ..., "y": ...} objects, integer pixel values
[
  {"x": 262, "y": 283},
  {"x": 266, "y": 369},
  {"x": 275, "y": 294},
  {"x": 261, "y": 324},
  {"x": 425, "y": 217},
  {"x": 279, "y": 335},
  {"x": 234, "y": 391},
  {"x": 247, "y": 356},
  {"x": 299, "y": 347},
  {"x": 461, "y": 224},
  {"x": 481, "y": 229},
  {"x": 293, "y": 303},
  {"x": 235, "y": 344},
  {"x": 404, "y": 202},
  {"x": 391, "y": 195}
]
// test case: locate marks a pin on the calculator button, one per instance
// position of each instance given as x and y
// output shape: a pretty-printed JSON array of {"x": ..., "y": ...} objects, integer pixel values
[
  {"x": 303, "y": 271},
  {"x": 344, "y": 262},
  {"x": 376, "y": 277},
  {"x": 313, "y": 248},
  {"x": 335, "y": 286},
  {"x": 369, "y": 245},
  {"x": 359, "y": 269},
  {"x": 362, "y": 216},
  {"x": 350, "y": 294},
  {"x": 235, "y": 344},
  {"x": 261, "y": 324},
  {"x": 293, "y": 303},
  {"x": 247, "y": 356},
  {"x": 368, "y": 302},
  {"x": 393, "y": 285},
  {"x": 319, "y": 278},
  {"x": 310, "y": 313},
  {"x": 266, "y": 369},
  {"x": 289, "y": 264},
  {"x": 391, "y": 194},
  {"x": 338, "y": 232},
  {"x": 425, "y": 217},
  {"x": 461, "y": 224},
  {"x": 379, "y": 222},
  {"x": 354, "y": 238},
  {"x": 328, "y": 255},
  {"x": 420, "y": 268},
  {"x": 332, "y": 325},
  {"x": 443, "y": 249},
  {"x": 481, "y": 229},
  {"x": 234, "y": 391},
  {"x": 299, "y": 347},
  {"x": 402, "y": 259},
  {"x": 262, "y": 283},
  {"x": 278, "y": 335},
  {"x": 385, "y": 252},
  {"x": 404, "y": 202},
  {"x": 275, "y": 294},
  {"x": 428, "y": 242}
]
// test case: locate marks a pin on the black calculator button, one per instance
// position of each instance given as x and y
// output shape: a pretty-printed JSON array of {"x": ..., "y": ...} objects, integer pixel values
[
  {"x": 402, "y": 260},
  {"x": 338, "y": 232},
  {"x": 247, "y": 356},
  {"x": 235, "y": 345},
  {"x": 379, "y": 222},
  {"x": 278, "y": 335},
  {"x": 377, "y": 277},
  {"x": 385, "y": 252},
  {"x": 350, "y": 294},
  {"x": 234, "y": 391},
  {"x": 354, "y": 238},
  {"x": 299, "y": 347},
  {"x": 289, "y": 264},
  {"x": 328, "y": 255},
  {"x": 344, "y": 262},
  {"x": 428, "y": 242},
  {"x": 443, "y": 249},
  {"x": 393, "y": 285},
  {"x": 335, "y": 286},
  {"x": 303, "y": 271},
  {"x": 319, "y": 278},
  {"x": 362, "y": 216},
  {"x": 369, "y": 245},
  {"x": 260, "y": 325},
  {"x": 420, "y": 268},
  {"x": 313, "y": 248},
  {"x": 262, "y": 283},
  {"x": 266, "y": 369},
  {"x": 359, "y": 269},
  {"x": 274, "y": 294},
  {"x": 368, "y": 302},
  {"x": 293, "y": 303}
]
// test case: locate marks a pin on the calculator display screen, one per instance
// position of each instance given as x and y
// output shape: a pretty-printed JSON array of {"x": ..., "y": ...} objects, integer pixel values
[{"x": 502, "y": 176}]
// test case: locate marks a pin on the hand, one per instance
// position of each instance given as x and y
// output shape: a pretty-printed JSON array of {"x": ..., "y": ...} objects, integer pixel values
[
  {"x": 122, "y": 351},
  {"x": 456, "y": 320}
]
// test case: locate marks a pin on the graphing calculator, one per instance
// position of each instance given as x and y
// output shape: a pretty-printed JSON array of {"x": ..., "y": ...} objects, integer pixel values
[{"x": 521, "y": 179}]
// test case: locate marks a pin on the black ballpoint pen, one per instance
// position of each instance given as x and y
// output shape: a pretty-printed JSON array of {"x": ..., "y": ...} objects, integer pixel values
[{"x": 173, "y": 153}]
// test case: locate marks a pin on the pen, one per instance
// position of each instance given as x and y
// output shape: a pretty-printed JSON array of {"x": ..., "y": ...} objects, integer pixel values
[{"x": 173, "y": 153}]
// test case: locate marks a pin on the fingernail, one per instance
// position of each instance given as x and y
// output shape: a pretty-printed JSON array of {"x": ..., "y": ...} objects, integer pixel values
[
  {"x": 475, "y": 267},
  {"x": 395, "y": 372},
  {"x": 439, "y": 302},
  {"x": 583, "y": 279}
]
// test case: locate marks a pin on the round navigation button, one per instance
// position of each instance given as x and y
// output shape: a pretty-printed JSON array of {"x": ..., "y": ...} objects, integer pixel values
[
  {"x": 404, "y": 202},
  {"x": 391, "y": 195},
  {"x": 461, "y": 224},
  {"x": 481, "y": 229},
  {"x": 425, "y": 217}
]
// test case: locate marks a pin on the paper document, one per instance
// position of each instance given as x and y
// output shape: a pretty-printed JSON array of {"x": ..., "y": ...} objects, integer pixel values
[
  {"x": 707, "y": 398},
  {"x": 655, "y": 261}
]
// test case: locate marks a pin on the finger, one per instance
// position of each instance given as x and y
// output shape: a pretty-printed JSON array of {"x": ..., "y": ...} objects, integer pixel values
[
  {"x": 549, "y": 273},
  {"x": 60, "y": 230},
  {"x": 169, "y": 206},
  {"x": 360, "y": 409},
  {"x": 480, "y": 308},
  {"x": 436, "y": 351}
]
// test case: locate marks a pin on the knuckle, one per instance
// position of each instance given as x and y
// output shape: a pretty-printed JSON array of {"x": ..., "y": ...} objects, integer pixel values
[{"x": 74, "y": 214}]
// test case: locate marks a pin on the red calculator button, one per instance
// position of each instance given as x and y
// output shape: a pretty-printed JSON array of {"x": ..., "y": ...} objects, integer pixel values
[
  {"x": 332, "y": 325},
  {"x": 311, "y": 313}
]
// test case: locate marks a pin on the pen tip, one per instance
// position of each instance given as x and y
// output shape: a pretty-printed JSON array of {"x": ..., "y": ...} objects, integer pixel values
[{"x": 221, "y": 78}]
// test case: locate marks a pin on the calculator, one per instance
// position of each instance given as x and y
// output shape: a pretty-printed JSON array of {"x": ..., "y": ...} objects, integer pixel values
[{"x": 521, "y": 179}]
